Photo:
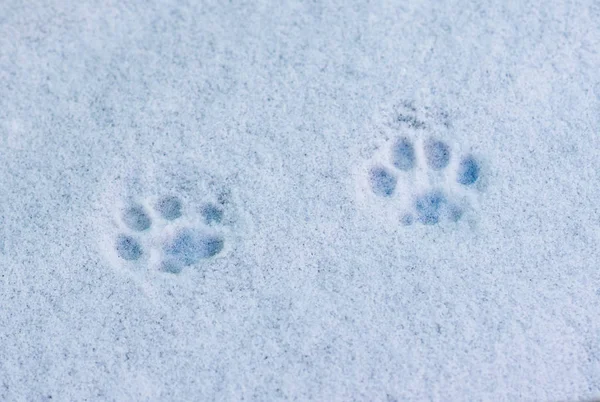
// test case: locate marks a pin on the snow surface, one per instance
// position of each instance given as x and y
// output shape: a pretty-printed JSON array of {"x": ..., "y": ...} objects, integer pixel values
[{"x": 289, "y": 270}]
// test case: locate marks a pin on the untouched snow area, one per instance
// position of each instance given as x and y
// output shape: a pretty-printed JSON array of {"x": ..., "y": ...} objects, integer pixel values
[{"x": 252, "y": 200}]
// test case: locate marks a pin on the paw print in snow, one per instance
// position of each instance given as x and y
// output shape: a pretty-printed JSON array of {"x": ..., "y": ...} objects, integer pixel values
[
  {"x": 159, "y": 220},
  {"x": 157, "y": 228},
  {"x": 415, "y": 176},
  {"x": 427, "y": 178}
]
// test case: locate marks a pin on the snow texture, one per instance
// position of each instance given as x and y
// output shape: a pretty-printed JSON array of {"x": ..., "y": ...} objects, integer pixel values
[{"x": 299, "y": 200}]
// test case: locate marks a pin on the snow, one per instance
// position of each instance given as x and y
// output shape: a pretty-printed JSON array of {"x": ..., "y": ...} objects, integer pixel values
[{"x": 282, "y": 267}]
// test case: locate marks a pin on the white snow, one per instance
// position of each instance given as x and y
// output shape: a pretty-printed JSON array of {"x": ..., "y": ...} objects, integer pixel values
[{"x": 274, "y": 112}]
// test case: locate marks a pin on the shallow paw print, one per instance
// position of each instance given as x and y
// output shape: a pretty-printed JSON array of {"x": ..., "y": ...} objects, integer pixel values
[
  {"x": 160, "y": 234},
  {"x": 160, "y": 220}
]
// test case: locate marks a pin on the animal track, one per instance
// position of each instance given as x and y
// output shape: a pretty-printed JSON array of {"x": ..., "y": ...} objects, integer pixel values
[
  {"x": 417, "y": 176},
  {"x": 176, "y": 244},
  {"x": 162, "y": 217},
  {"x": 433, "y": 202}
]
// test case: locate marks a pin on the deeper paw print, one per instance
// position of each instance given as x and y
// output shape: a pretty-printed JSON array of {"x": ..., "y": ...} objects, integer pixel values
[
  {"x": 418, "y": 177},
  {"x": 430, "y": 176},
  {"x": 160, "y": 230}
]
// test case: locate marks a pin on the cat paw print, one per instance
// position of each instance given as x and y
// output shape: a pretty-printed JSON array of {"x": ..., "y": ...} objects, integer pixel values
[
  {"x": 412, "y": 173},
  {"x": 168, "y": 233},
  {"x": 155, "y": 221},
  {"x": 424, "y": 179}
]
